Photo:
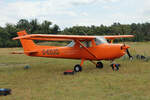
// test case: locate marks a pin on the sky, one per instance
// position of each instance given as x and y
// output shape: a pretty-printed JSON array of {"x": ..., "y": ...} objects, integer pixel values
[{"x": 68, "y": 13}]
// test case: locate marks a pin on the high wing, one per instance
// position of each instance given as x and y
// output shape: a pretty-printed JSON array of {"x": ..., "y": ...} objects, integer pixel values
[
  {"x": 118, "y": 36},
  {"x": 55, "y": 37},
  {"x": 66, "y": 37}
]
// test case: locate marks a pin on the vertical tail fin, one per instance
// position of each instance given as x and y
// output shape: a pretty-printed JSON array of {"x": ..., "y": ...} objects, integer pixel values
[{"x": 28, "y": 45}]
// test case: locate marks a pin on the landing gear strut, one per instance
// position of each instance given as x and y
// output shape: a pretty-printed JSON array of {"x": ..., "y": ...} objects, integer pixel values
[{"x": 78, "y": 68}]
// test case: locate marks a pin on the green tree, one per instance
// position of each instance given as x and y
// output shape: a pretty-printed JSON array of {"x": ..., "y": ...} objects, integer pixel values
[
  {"x": 55, "y": 29},
  {"x": 45, "y": 27},
  {"x": 23, "y": 24},
  {"x": 4, "y": 37}
]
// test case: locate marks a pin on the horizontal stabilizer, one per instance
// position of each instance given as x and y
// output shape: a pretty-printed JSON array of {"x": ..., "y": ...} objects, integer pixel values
[
  {"x": 21, "y": 52},
  {"x": 17, "y": 52},
  {"x": 30, "y": 52}
]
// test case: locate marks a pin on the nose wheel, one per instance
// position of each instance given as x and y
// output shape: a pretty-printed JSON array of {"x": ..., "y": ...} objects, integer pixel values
[{"x": 77, "y": 68}]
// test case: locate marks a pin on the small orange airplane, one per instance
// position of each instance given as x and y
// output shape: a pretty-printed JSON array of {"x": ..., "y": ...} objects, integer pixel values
[{"x": 92, "y": 48}]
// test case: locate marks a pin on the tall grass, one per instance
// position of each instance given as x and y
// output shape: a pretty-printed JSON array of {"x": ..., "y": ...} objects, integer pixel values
[{"x": 45, "y": 79}]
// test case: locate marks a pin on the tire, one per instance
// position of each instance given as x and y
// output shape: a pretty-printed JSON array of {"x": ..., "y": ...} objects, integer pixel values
[
  {"x": 99, "y": 65},
  {"x": 77, "y": 68}
]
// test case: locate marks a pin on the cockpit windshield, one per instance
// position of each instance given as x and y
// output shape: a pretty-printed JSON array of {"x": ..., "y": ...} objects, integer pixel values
[{"x": 100, "y": 40}]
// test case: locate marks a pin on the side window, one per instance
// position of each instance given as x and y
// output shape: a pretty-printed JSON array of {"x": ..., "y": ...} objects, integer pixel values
[
  {"x": 71, "y": 44},
  {"x": 86, "y": 44},
  {"x": 97, "y": 41}
]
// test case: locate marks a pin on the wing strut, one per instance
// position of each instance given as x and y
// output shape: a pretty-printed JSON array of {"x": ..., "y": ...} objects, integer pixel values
[{"x": 86, "y": 49}]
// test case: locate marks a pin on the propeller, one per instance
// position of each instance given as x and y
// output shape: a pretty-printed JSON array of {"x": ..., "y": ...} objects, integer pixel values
[
  {"x": 128, "y": 53},
  {"x": 127, "y": 50},
  {"x": 125, "y": 47}
]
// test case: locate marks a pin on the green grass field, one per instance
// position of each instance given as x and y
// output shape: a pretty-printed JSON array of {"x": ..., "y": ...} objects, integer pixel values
[{"x": 45, "y": 79}]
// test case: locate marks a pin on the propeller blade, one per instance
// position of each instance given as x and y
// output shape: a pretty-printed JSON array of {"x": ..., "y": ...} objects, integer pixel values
[{"x": 128, "y": 53}]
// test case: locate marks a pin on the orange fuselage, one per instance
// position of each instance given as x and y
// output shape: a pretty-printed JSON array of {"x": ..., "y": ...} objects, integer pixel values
[{"x": 104, "y": 51}]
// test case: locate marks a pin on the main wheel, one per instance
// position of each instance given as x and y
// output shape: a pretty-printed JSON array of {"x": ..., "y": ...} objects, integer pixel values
[
  {"x": 99, "y": 65},
  {"x": 115, "y": 67},
  {"x": 77, "y": 68}
]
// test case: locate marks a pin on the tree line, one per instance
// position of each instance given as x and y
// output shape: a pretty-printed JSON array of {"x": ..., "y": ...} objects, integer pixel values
[{"x": 141, "y": 31}]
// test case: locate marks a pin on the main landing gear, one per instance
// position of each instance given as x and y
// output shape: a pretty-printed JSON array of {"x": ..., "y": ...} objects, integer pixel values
[
  {"x": 78, "y": 68},
  {"x": 99, "y": 65}
]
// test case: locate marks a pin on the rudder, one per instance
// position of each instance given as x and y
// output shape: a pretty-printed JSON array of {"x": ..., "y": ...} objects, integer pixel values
[{"x": 28, "y": 45}]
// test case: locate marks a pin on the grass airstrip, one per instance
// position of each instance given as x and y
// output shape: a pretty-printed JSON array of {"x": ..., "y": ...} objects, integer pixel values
[{"x": 45, "y": 79}]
